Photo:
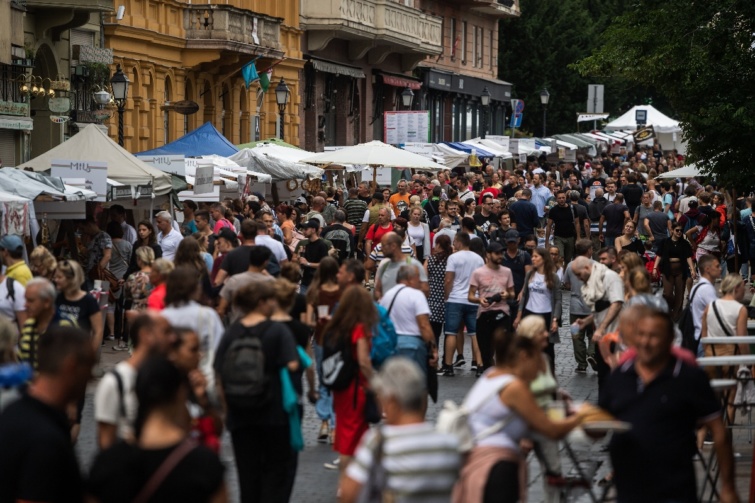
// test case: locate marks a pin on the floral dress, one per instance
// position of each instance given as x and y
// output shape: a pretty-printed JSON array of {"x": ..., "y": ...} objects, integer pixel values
[
  {"x": 138, "y": 289},
  {"x": 436, "y": 275}
]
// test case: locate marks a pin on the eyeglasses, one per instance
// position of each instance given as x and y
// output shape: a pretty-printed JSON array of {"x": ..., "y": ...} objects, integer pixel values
[{"x": 677, "y": 230}]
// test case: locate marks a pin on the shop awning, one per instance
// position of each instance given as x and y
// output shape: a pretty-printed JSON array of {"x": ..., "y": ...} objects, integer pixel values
[
  {"x": 392, "y": 80},
  {"x": 337, "y": 69},
  {"x": 16, "y": 122},
  {"x": 468, "y": 149}
]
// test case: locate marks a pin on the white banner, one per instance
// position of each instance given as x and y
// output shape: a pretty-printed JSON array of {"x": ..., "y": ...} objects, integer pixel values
[
  {"x": 423, "y": 149},
  {"x": 173, "y": 164},
  {"x": 94, "y": 174},
  {"x": 406, "y": 127},
  {"x": 203, "y": 180},
  {"x": 383, "y": 176},
  {"x": 503, "y": 141}
]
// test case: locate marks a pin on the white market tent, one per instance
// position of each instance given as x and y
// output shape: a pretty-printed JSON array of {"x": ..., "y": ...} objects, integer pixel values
[
  {"x": 490, "y": 146},
  {"x": 277, "y": 162},
  {"x": 29, "y": 185},
  {"x": 688, "y": 171},
  {"x": 447, "y": 156},
  {"x": 666, "y": 128},
  {"x": 91, "y": 144},
  {"x": 375, "y": 154}
]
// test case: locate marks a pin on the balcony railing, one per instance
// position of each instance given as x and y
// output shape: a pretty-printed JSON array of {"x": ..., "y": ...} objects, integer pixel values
[{"x": 226, "y": 27}]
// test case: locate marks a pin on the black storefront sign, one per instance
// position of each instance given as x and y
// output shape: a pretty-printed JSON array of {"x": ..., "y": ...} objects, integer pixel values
[{"x": 464, "y": 84}]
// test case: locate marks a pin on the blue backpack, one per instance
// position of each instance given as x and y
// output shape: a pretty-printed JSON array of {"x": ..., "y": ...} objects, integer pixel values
[{"x": 384, "y": 338}]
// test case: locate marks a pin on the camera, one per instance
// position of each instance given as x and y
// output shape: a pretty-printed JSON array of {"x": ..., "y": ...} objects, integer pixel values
[{"x": 495, "y": 298}]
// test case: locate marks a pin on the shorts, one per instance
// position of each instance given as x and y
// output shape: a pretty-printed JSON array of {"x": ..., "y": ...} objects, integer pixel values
[{"x": 456, "y": 313}]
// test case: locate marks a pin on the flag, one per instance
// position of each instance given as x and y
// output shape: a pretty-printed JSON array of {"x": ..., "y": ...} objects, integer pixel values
[
  {"x": 265, "y": 79},
  {"x": 642, "y": 134},
  {"x": 249, "y": 72}
]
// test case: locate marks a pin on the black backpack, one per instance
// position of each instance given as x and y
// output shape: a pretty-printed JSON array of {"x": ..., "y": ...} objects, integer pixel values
[
  {"x": 339, "y": 368},
  {"x": 687, "y": 325},
  {"x": 340, "y": 237},
  {"x": 246, "y": 386}
]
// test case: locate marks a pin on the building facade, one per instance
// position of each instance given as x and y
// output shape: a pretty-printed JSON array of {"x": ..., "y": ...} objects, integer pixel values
[
  {"x": 173, "y": 51},
  {"x": 453, "y": 83},
  {"x": 37, "y": 43}
]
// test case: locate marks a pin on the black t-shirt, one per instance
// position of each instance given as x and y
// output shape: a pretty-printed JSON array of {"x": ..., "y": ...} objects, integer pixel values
[
  {"x": 510, "y": 190},
  {"x": 654, "y": 460},
  {"x": 563, "y": 221},
  {"x": 237, "y": 261},
  {"x": 632, "y": 196},
  {"x": 279, "y": 348},
  {"x": 483, "y": 222},
  {"x": 517, "y": 265},
  {"x": 120, "y": 472},
  {"x": 79, "y": 310},
  {"x": 302, "y": 334},
  {"x": 594, "y": 184},
  {"x": 524, "y": 215},
  {"x": 614, "y": 221},
  {"x": 299, "y": 307},
  {"x": 314, "y": 252},
  {"x": 37, "y": 460}
]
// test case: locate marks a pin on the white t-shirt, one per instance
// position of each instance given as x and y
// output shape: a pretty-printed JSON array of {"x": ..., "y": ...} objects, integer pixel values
[
  {"x": 409, "y": 304},
  {"x": 9, "y": 307},
  {"x": 417, "y": 233},
  {"x": 169, "y": 243},
  {"x": 462, "y": 263},
  {"x": 274, "y": 246},
  {"x": 540, "y": 298},
  {"x": 107, "y": 400}
]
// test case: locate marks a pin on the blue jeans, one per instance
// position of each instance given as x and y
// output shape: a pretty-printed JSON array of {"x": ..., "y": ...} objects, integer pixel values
[
  {"x": 610, "y": 241},
  {"x": 413, "y": 348},
  {"x": 324, "y": 405},
  {"x": 457, "y": 312}
]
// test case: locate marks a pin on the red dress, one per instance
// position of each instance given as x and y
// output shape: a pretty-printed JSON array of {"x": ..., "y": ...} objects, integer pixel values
[{"x": 350, "y": 421}]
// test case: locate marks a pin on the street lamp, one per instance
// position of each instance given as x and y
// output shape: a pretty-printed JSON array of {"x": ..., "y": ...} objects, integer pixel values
[
  {"x": 281, "y": 96},
  {"x": 406, "y": 98},
  {"x": 544, "y": 97},
  {"x": 485, "y": 100},
  {"x": 119, "y": 83}
]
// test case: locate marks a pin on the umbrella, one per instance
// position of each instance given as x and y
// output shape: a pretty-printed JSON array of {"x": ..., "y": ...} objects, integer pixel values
[
  {"x": 375, "y": 154},
  {"x": 687, "y": 171}
]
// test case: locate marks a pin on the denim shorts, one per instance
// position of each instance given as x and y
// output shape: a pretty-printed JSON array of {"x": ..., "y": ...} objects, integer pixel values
[{"x": 456, "y": 313}]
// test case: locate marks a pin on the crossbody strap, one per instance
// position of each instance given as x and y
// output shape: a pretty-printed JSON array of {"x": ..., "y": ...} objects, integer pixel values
[
  {"x": 394, "y": 300},
  {"x": 720, "y": 321},
  {"x": 498, "y": 425},
  {"x": 167, "y": 466}
]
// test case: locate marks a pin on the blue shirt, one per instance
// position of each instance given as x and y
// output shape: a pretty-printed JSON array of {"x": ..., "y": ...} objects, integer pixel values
[{"x": 540, "y": 198}]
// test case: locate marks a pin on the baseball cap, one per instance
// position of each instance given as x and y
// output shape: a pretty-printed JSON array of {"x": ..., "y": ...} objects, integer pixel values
[
  {"x": 511, "y": 236},
  {"x": 300, "y": 200},
  {"x": 11, "y": 242},
  {"x": 495, "y": 247},
  {"x": 227, "y": 234},
  {"x": 312, "y": 223}
]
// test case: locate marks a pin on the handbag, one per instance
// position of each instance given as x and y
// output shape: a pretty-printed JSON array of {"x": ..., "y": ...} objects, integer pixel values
[
  {"x": 372, "y": 413},
  {"x": 165, "y": 468}
]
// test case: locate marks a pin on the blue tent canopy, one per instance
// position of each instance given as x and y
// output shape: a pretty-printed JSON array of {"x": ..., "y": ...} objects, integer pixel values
[
  {"x": 205, "y": 140},
  {"x": 468, "y": 149}
]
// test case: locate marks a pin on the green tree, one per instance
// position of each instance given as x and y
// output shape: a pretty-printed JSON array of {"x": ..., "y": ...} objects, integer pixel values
[
  {"x": 536, "y": 49},
  {"x": 701, "y": 57}
]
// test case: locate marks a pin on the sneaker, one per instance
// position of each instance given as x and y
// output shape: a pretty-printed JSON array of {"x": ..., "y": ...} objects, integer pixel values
[
  {"x": 474, "y": 366},
  {"x": 333, "y": 465},
  {"x": 448, "y": 371},
  {"x": 581, "y": 370},
  {"x": 460, "y": 361},
  {"x": 478, "y": 372},
  {"x": 322, "y": 437},
  {"x": 110, "y": 338},
  {"x": 593, "y": 363},
  {"x": 120, "y": 347},
  {"x": 442, "y": 369}
]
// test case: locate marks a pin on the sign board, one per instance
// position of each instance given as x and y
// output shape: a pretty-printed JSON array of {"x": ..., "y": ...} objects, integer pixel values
[
  {"x": 406, "y": 126},
  {"x": 526, "y": 145},
  {"x": 423, "y": 149},
  {"x": 561, "y": 153},
  {"x": 595, "y": 99},
  {"x": 120, "y": 192},
  {"x": 571, "y": 156},
  {"x": 523, "y": 158},
  {"x": 641, "y": 117},
  {"x": 94, "y": 173},
  {"x": 517, "y": 106},
  {"x": 503, "y": 141},
  {"x": 516, "y": 121},
  {"x": 173, "y": 164},
  {"x": 554, "y": 147},
  {"x": 203, "y": 180},
  {"x": 383, "y": 176}
]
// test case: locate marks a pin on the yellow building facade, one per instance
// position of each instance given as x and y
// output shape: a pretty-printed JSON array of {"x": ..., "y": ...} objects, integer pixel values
[{"x": 173, "y": 51}]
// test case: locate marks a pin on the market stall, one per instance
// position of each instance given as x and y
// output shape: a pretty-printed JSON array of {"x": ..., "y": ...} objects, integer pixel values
[
  {"x": 205, "y": 140},
  {"x": 667, "y": 130}
]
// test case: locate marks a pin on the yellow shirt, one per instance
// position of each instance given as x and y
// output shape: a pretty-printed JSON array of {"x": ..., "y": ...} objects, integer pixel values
[{"x": 19, "y": 272}]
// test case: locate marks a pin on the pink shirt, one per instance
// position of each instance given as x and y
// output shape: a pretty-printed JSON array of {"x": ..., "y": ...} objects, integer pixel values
[{"x": 490, "y": 282}]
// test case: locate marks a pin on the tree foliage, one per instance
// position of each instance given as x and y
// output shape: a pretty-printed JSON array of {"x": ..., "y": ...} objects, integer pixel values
[
  {"x": 537, "y": 48},
  {"x": 700, "y": 55}
]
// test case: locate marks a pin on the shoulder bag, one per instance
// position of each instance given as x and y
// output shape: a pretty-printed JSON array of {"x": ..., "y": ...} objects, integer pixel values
[{"x": 167, "y": 466}]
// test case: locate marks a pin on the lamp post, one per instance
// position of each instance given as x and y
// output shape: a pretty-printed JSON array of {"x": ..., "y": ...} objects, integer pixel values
[
  {"x": 407, "y": 96},
  {"x": 281, "y": 96},
  {"x": 485, "y": 101},
  {"x": 544, "y": 97},
  {"x": 119, "y": 83}
]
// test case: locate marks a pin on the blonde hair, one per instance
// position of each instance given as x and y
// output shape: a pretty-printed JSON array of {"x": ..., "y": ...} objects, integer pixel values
[
  {"x": 44, "y": 258},
  {"x": 730, "y": 283},
  {"x": 163, "y": 267},
  {"x": 531, "y": 326},
  {"x": 145, "y": 254},
  {"x": 8, "y": 338},
  {"x": 73, "y": 272}
]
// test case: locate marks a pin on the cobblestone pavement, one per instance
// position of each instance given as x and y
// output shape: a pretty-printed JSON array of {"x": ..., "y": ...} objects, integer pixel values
[{"x": 315, "y": 484}]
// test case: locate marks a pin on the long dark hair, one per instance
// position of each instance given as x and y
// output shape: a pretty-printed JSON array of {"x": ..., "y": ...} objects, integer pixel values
[
  {"x": 443, "y": 248},
  {"x": 549, "y": 270},
  {"x": 326, "y": 273},
  {"x": 356, "y": 307},
  {"x": 181, "y": 285},
  {"x": 189, "y": 254},
  {"x": 152, "y": 239},
  {"x": 157, "y": 385}
]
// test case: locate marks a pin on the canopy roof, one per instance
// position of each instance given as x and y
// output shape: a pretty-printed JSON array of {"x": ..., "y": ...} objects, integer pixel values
[
  {"x": 449, "y": 157},
  {"x": 688, "y": 171},
  {"x": 205, "y": 140},
  {"x": 660, "y": 122},
  {"x": 272, "y": 141},
  {"x": 91, "y": 144},
  {"x": 496, "y": 149},
  {"x": 278, "y": 162},
  {"x": 30, "y": 185},
  {"x": 375, "y": 154}
]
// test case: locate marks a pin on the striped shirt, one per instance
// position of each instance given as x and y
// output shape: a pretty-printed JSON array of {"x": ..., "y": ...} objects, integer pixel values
[
  {"x": 355, "y": 209},
  {"x": 421, "y": 464},
  {"x": 29, "y": 340}
]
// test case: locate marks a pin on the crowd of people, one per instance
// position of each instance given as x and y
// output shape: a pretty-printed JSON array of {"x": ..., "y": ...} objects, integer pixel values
[{"x": 230, "y": 318}]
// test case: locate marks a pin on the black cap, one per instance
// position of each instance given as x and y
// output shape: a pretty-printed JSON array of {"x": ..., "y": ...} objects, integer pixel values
[
  {"x": 495, "y": 247},
  {"x": 312, "y": 223},
  {"x": 511, "y": 236},
  {"x": 227, "y": 234}
]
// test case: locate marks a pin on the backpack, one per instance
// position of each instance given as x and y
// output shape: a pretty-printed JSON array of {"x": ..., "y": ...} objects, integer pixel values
[
  {"x": 245, "y": 384},
  {"x": 687, "y": 325},
  {"x": 11, "y": 290},
  {"x": 689, "y": 223},
  {"x": 454, "y": 420},
  {"x": 384, "y": 339},
  {"x": 341, "y": 239},
  {"x": 339, "y": 368}
]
